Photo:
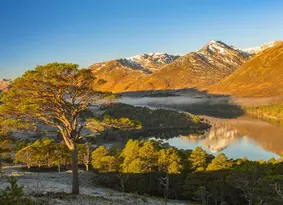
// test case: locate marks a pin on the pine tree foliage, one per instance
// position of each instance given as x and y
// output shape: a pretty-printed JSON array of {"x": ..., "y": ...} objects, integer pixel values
[
  {"x": 220, "y": 162},
  {"x": 169, "y": 161},
  {"x": 198, "y": 159}
]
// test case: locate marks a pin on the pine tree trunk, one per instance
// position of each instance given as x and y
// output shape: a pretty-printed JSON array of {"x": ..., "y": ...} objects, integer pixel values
[{"x": 75, "y": 182}]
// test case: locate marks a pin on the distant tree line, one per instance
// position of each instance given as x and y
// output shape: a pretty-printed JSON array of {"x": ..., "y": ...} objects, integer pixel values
[
  {"x": 158, "y": 118},
  {"x": 160, "y": 123}
]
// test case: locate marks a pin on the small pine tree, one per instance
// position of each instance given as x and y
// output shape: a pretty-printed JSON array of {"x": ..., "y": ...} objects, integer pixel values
[
  {"x": 129, "y": 154},
  {"x": 26, "y": 155},
  {"x": 103, "y": 161},
  {"x": 97, "y": 155},
  {"x": 148, "y": 156},
  {"x": 198, "y": 159},
  {"x": 219, "y": 162},
  {"x": 14, "y": 195},
  {"x": 169, "y": 161}
]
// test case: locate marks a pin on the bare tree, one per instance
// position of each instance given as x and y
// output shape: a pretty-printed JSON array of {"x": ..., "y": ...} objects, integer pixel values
[
  {"x": 278, "y": 189},
  {"x": 123, "y": 179},
  {"x": 164, "y": 183}
]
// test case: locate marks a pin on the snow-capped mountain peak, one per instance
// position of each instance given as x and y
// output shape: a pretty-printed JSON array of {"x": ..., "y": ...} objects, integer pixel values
[
  {"x": 149, "y": 62},
  {"x": 220, "y": 54},
  {"x": 152, "y": 60},
  {"x": 216, "y": 47},
  {"x": 215, "y": 61},
  {"x": 259, "y": 49},
  {"x": 146, "y": 63}
]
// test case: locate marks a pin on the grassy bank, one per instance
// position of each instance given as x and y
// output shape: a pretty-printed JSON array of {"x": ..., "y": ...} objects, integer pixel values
[{"x": 271, "y": 113}]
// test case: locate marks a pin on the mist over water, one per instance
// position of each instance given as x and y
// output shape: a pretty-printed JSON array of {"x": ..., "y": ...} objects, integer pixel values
[{"x": 232, "y": 133}]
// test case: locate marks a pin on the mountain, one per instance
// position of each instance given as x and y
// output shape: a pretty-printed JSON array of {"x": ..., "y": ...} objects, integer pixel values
[
  {"x": 259, "y": 77},
  {"x": 4, "y": 84},
  {"x": 218, "y": 67},
  {"x": 153, "y": 61},
  {"x": 259, "y": 49},
  {"x": 161, "y": 71},
  {"x": 209, "y": 65},
  {"x": 119, "y": 75}
]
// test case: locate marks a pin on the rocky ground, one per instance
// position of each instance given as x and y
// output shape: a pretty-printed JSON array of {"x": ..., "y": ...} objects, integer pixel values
[{"x": 53, "y": 189}]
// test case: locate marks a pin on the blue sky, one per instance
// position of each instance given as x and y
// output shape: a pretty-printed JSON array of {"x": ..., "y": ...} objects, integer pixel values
[{"x": 34, "y": 32}]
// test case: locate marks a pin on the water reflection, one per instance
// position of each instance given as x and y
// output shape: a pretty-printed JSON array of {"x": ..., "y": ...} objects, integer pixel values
[
  {"x": 219, "y": 137},
  {"x": 237, "y": 138}
]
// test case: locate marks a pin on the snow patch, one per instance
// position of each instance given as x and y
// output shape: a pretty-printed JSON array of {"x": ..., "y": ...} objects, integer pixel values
[
  {"x": 151, "y": 61},
  {"x": 103, "y": 65},
  {"x": 258, "y": 49}
]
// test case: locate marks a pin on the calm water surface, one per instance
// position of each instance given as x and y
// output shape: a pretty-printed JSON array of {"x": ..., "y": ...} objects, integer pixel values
[{"x": 232, "y": 133}]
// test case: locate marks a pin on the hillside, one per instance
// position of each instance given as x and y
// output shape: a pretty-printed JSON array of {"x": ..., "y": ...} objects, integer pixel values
[
  {"x": 118, "y": 75},
  {"x": 210, "y": 64},
  {"x": 160, "y": 71},
  {"x": 262, "y": 76}
]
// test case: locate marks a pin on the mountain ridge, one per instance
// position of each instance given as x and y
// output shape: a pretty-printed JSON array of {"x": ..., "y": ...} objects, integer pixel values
[
  {"x": 198, "y": 69},
  {"x": 120, "y": 74},
  {"x": 161, "y": 71},
  {"x": 261, "y": 76},
  {"x": 259, "y": 49}
]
